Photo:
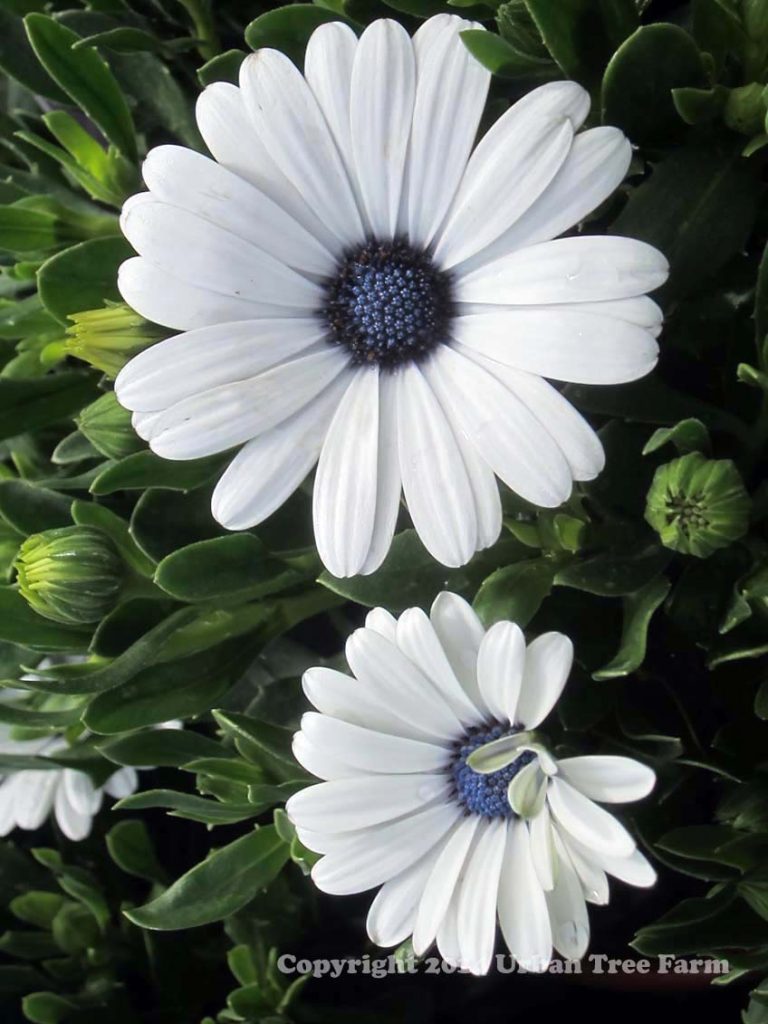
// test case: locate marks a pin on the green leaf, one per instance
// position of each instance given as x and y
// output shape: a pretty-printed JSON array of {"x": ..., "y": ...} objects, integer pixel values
[
  {"x": 88, "y": 513},
  {"x": 614, "y": 574},
  {"x": 31, "y": 404},
  {"x": 288, "y": 28},
  {"x": 12, "y": 714},
  {"x": 186, "y": 805},
  {"x": 219, "y": 886},
  {"x": 703, "y": 925},
  {"x": 28, "y": 231},
  {"x": 18, "y": 60},
  {"x": 701, "y": 226},
  {"x": 225, "y": 567},
  {"x": 638, "y": 83},
  {"x": 515, "y": 592},
  {"x": 32, "y": 509},
  {"x": 144, "y": 469},
  {"x": 502, "y": 59},
  {"x": 37, "y": 908},
  {"x": 130, "y": 847},
  {"x": 687, "y": 436},
  {"x": 20, "y": 625},
  {"x": 224, "y": 67},
  {"x": 262, "y": 743},
  {"x": 83, "y": 276},
  {"x": 85, "y": 77},
  {"x": 47, "y": 1008},
  {"x": 163, "y": 748},
  {"x": 638, "y": 609},
  {"x": 164, "y": 521}
]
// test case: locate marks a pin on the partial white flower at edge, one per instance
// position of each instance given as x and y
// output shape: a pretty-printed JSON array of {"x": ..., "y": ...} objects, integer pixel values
[
  {"x": 519, "y": 838},
  {"x": 359, "y": 289}
]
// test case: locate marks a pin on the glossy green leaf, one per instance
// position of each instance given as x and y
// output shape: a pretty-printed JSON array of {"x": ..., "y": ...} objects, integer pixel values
[
  {"x": 32, "y": 404},
  {"x": 687, "y": 436},
  {"x": 502, "y": 59},
  {"x": 638, "y": 611},
  {"x": 516, "y": 592},
  {"x": 163, "y": 748},
  {"x": 288, "y": 28},
  {"x": 614, "y": 574},
  {"x": 31, "y": 509},
  {"x": 83, "y": 276},
  {"x": 20, "y": 625},
  {"x": 144, "y": 469}
]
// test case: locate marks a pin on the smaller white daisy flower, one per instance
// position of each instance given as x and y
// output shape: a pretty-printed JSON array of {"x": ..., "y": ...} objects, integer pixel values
[{"x": 438, "y": 790}]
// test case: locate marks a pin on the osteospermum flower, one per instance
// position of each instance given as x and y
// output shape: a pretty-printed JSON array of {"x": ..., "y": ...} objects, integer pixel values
[
  {"x": 356, "y": 286},
  {"x": 517, "y": 838}
]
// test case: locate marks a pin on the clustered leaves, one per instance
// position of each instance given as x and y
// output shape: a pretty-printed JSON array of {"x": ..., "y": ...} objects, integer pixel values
[{"x": 133, "y": 607}]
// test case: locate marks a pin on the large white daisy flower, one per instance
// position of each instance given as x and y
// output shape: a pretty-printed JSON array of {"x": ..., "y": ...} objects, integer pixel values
[
  {"x": 28, "y": 796},
  {"x": 357, "y": 286},
  {"x": 455, "y": 848}
]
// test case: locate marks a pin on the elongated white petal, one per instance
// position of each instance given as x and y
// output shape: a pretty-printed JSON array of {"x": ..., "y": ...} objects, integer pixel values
[
  {"x": 608, "y": 779},
  {"x": 523, "y": 913},
  {"x": 594, "y": 882},
  {"x": 230, "y": 136},
  {"x": 595, "y": 166},
  {"x": 440, "y": 885},
  {"x": 388, "y": 480},
  {"x": 548, "y": 661},
  {"x": 634, "y": 870},
  {"x": 567, "y": 909},
  {"x": 592, "y": 826},
  {"x": 502, "y": 429},
  {"x": 344, "y": 497},
  {"x": 485, "y": 489},
  {"x": 460, "y": 632},
  {"x": 196, "y": 249},
  {"x": 400, "y": 684},
  {"x": 478, "y": 896},
  {"x": 291, "y": 125},
  {"x": 33, "y": 794},
  {"x": 165, "y": 299},
  {"x": 500, "y": 669},
  {"x": 75, "y": 824},
  {"x": 381, "y": 107},
  {"x": 510, "y": 168},
  {"x": 321, "y": 762},
  {"x": 372, "y": 751},
  {"x": 391, "y": 916},
  {"x": 122, "y": 783},
  {"x": 181, "y": 177},
  {"x": 383, "y": 622},
  {"x": 328, "y": 70},
  {"x": 233, "y": 413},
  {"x": 542, "y": 848},
  {"x": 81, "y": 792},
  {"x": 581, "y": 347},
  {"x": 586, "y": 268},
  {"x": 375, "y": 857},
  {"x": 437, "y": 489},
  {"x": 417, "y": 639},
  {"x": 197, "y": 361},
  {"x": 268, "y": 469},
  {"x": 451, "y": 90}
]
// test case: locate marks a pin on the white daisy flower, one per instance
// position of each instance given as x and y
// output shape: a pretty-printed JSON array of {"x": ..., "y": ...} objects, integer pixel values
[
  {"x": 27, "y": 797},
  {"x": 359, "y": 288},
  {"x": 455, "y": 848}
]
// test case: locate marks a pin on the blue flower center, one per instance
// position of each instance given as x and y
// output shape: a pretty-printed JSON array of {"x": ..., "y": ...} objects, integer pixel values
[
  {"x": 485, "y": 794},
  {"x": 388, "y": 304}
]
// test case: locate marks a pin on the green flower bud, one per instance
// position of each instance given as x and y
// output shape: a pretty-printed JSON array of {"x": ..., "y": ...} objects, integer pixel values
[
  {"x": 107, "y": 425},
  {"x": 108, "y": 338},
  {"x": 698, "y": 505},
  {"x": 72, "y": 575}
]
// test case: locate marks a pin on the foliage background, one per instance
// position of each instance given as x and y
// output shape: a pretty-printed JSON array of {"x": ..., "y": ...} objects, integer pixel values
[{"x": 217, "y": 628}]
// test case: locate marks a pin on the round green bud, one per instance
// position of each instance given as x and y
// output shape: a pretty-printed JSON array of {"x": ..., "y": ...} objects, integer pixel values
[
  {"x": 72, "y": 575},
  {"x": 697, "y": 505},
  {"x": 107, "y": 425},
  {"x": 108, "y": 338}
]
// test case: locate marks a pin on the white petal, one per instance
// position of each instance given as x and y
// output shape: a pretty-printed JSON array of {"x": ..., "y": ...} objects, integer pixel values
[
  {"x": 144, "y": 423},
  {"x": 81, "y": 792},
  {"x": 399, "y": 683},
  {"x": 165, "y": 299},
  {"x": 594, "y": 883},
  {"x": 485, "y": 489},
  {"x": 542, "y": 848},
  {"x": 33, "y": 793},
  {"x": 390, "y": 919},
  {"x": 328, "y": 70},
  {"x": 572, "y": 434},
  {"x": 523, "y": 913},
  {"x": 182, "y": 177},
  {"x": 585, "y": 268},
  {"x": 595, "y": 166},
  {"x": 634, "y": 870},
  {"x": 267, "y": 471},
  {"x": 195, "y": 249},
  {"x": 451, "y": 89},
  {"x": 437, "y": 488},
  {"x": 567, "y": 910},
  {"x": 230, "y": 136},
  {"x": 589, "y": 824},
  {"x": 7, "y": 813},
  {"x": 372, "y": 751},
  {"x": 381, "y": 106},
  {"x": 608, "y": 779},
  {"x": 197, "y": 361},
  {"x": 548, "y": 661},
  {"x": 320, "y": 762},
  {"x": 439, "y": 888},
  {"x": 233, "y": 413},
  {"x": 290, "y": 123},
  {"x": 389, "y": 484},
  {"x": 502, "y": 429},
  {"x": 571, "y": 345},
  {"x": 74, "y": 824},
  {"x": 478, "y": 896},
  {"x": 448, "y": 934},
  {"x": 460, "y": 633},
  {"x": 510, "y": 168},
  {"x": 356, "y": 701},
  {"x": 344, "y": 497},
  {"x": 500, "y": 669},
  {"x": 417, "y": 639},
  {"x": 379, "y": 854},
  {"x": 346, "y": 805},
  {"x": 122, "y": 783},
  {"x": 383, "y": 622}
]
